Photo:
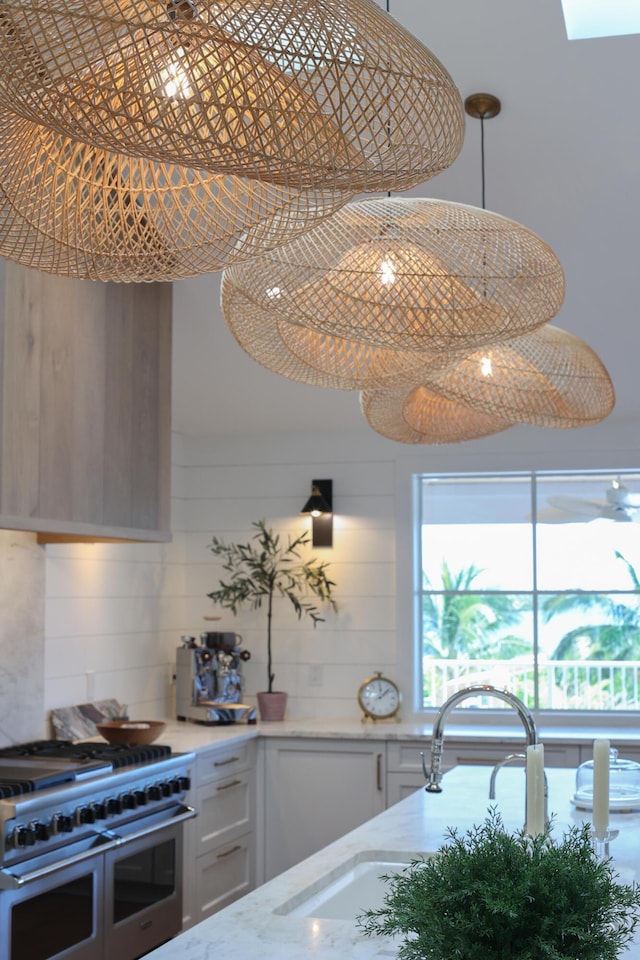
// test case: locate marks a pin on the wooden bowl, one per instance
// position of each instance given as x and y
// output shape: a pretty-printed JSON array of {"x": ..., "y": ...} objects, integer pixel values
[{"x": 133, "y": 732}]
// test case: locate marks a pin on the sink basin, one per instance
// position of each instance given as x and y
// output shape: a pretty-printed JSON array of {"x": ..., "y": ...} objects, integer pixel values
[{"x": 353, "y": 887}]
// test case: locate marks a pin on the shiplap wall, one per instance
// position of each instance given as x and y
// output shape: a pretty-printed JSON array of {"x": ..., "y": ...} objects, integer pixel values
[
  {"x": 231, "y": 484},
  {"x": 115, "y": 612},
  {"x": 112, "y": 614}
]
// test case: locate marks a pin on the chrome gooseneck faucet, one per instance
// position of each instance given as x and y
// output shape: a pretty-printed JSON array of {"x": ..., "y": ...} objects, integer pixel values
[{"x": 434, "y": 775}]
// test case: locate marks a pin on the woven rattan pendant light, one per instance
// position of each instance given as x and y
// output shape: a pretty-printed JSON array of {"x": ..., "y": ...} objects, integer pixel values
[
  {"x": 304, "y": 355},
  {"x": 414, "y": 414},
  {"x": 297, "y": 92},
  {"x": 78, "y": 211},
  {"x": 410, "y": 274},
  {"x": 549, "y": 378}
]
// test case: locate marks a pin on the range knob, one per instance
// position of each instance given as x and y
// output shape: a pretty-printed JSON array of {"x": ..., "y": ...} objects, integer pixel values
[
  {"x": 41, "y": 830},
  {"x": 129, "y": 801},
  {"x": 165, "y": 785},
  {"x": 185, "y": 783},
  {"x": 141, "y": 797},
  {"x": 155, "y": 791},
  {"x": 101, "y": 810},
  {"x": 61, "y": 823},
  {"x": 85, "y": 814},
  {"x": 22, "y": 836},
  {"x": 114, "y": 805}
]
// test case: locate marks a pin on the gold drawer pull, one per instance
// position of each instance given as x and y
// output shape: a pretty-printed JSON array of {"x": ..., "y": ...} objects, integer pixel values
[
  {"x": 223, "y": 763},
  {"x": 227, "y": 853},
  {"x": 225, "y": 786}
]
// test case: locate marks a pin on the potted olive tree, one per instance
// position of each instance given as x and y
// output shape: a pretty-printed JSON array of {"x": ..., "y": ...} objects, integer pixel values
[
  {"x": 261, "y": 570},
  {"x": 492, "y": 895}
]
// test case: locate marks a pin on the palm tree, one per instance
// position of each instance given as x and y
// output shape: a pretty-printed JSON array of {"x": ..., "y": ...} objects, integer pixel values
[
  {"x": 614, "y": 636},
  {"x": 458, "y": 621}
]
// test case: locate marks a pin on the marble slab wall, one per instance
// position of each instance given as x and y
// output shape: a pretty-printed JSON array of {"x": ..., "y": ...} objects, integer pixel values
[{"x": 22, "y": 591}]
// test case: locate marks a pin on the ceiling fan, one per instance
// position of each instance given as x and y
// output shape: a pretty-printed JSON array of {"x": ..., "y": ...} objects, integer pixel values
[{"x": 619, "y": 504}]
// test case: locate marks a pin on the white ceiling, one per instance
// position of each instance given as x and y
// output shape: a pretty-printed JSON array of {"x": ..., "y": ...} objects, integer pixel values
[{"x": 563, "y": 158}]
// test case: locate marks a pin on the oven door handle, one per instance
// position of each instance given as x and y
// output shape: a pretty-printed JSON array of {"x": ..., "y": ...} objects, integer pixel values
[
  {"x": 11, "y": 881},
  {"x": 186, "y": 813}
]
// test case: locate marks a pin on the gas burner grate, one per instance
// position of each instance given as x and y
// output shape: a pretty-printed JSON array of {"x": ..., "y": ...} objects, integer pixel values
[
  {"x": 15, "y": 788},
  {"x": 118, "y": 755},
  {"x": 126, "y": 755}
]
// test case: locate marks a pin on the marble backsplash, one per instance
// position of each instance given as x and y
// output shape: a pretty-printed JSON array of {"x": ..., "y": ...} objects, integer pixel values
[{"x": 22, "y": 597}]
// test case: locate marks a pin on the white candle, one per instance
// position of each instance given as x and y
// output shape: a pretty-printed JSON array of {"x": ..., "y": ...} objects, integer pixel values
[
  {"x": 601, "y": 750},
  {"x": 535, "y": 789}
]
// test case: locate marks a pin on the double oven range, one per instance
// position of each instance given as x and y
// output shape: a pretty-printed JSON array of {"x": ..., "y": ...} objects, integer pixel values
[{"x": 91, "y": 842}]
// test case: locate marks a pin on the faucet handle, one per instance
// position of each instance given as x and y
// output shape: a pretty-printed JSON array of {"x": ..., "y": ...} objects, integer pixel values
[{"x": 434, "y": 775}]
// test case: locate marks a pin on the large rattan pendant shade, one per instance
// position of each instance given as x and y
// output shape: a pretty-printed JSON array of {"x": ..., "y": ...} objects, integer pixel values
[
  {"x": 414, "y": 414},
  {"x": 549, "y": 378},
  {"x": 408, "y": 273},
  {"x": 298, "y": 92},
  {"x": 78, "y": 211},
  {"x": 304, "y": 355}
]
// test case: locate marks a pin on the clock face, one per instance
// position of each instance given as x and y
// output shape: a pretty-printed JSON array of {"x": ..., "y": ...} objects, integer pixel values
[{"x": 379, "y": 697}]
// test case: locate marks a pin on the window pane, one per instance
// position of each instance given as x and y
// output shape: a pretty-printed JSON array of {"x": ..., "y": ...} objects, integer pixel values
[
  {"x": 477, "y": 638},
  {"x": 577, "y": 545},
  {"x": 477, "y": 533},
  {"x": 591, "y": 645},
  {"x": 531, "y": 583}
]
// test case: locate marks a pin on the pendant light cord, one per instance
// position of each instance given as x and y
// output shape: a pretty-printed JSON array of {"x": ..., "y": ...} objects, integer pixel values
[
  {"x": 388, "y": 9},
  {"x": 482, "y": 160}
]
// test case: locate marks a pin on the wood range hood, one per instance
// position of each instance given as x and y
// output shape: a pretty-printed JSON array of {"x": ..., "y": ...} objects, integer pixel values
[{"x": 85, "y": 407}]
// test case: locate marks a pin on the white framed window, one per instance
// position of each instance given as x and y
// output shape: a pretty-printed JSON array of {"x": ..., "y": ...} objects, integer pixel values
[{"x": 529, "y": 581}]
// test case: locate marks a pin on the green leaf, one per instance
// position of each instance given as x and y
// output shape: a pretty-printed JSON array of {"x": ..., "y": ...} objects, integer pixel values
[{"x": 264, "y": 568}]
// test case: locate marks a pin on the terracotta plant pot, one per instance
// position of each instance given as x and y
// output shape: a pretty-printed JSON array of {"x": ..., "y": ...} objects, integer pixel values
[{"x": 272, "y": 705}]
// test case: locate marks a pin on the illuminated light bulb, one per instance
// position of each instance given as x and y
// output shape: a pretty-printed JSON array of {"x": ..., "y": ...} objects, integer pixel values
[
  {"x": 174, "y": 80},
  {"x": 316, "y": 513},
  {"x": 387, "y": 272},
  {"x": 273, "y": 293},
  {"x": 486, "y": 368}
]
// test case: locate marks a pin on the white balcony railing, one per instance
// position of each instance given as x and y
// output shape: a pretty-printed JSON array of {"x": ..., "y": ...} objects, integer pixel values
[{"x": 563, "y": 684}]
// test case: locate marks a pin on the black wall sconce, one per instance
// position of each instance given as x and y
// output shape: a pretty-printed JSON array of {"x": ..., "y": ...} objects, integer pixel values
[{"x": 320, "y": 506}]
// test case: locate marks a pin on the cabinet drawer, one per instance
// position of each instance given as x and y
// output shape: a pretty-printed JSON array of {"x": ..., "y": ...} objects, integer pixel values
[
  {"x": 223, "y": 762},
  {"x": 223, "y": 806},
  {"x": 224, "y": 875}
]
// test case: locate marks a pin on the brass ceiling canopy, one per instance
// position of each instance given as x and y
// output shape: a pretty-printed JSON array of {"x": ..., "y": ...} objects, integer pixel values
[
  {"x": 312, "y": 94},
  {"x": 482, "y": 106},
  {"x": 407, "y": 274},
  {"x": 79, "y": 211},
  {"x": 415, "y": 414}
]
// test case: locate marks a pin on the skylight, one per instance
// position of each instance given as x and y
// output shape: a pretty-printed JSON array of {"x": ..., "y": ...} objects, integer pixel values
[{"x": 593, "y": 18}]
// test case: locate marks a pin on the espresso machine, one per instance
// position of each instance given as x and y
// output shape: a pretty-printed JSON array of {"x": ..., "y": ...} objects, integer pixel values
[{"x": 209, "y": 682}]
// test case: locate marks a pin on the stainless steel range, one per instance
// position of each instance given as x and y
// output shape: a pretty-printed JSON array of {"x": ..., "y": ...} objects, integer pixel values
[{"x": 90, "y": 849}]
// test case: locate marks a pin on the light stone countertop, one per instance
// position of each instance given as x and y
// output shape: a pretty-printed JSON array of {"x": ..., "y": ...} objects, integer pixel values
[
  {"x": 250, "y": 929},
  {"x": 184, "y": 736}
]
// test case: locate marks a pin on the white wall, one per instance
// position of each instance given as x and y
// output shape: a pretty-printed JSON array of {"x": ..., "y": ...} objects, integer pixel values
[
  {"x": 22, "y": 572},
  {"x": 115, "y": 612}
]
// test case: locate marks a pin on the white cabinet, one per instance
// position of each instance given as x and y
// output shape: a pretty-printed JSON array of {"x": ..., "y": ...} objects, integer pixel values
[
  {"x": 220, "y": 848},
  {"x": 404, "y": 764},
  {"x": 316, "y": 791}
]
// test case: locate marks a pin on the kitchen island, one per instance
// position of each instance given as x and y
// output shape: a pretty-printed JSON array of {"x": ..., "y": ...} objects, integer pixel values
[{"x": 262, "y": 926}]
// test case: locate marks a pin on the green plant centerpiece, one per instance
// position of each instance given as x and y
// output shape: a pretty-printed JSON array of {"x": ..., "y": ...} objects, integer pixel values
[
  {"x": 265, "y": 568},
  {"x": 492, "y": 895}
]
